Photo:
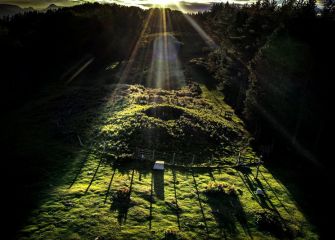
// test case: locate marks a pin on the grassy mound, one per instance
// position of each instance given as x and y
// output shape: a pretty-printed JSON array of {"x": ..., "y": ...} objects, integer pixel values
[{"x": 169, "y": 121}]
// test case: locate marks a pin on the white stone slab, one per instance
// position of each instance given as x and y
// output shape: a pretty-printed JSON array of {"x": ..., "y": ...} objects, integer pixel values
[{"x": 159, "y": 165}]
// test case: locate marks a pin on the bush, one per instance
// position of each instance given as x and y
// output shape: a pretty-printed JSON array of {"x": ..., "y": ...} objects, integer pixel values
[
  {"x": 220, "y": 188},
  {"x": 121, "y": 197},
  {"x": 172, "y": 234}
]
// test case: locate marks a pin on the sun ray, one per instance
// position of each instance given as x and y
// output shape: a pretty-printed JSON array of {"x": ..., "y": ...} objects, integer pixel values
[
  {"x": 136, "y": 48},
  {"x": 166, "y": 70},
  {"x": 208, "y": 40}
]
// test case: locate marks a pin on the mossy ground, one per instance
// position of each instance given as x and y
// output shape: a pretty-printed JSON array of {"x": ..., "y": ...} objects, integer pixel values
[
  {"x": 181, "y": 121},
  {"x": 76, "y": 211},
  {"x": 79, "y": 205}
]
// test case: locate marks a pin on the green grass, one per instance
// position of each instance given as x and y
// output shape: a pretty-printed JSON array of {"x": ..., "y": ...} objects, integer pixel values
[
  {"x": 85, "y": 210},
  {"x": 68, "y": 212}
]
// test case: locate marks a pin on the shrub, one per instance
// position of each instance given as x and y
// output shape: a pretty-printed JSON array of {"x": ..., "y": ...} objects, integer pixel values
[
  {"x": 223, "y": 188},
  {"x": 121, "y": 197},
  {"x": 172, "y": 234}
]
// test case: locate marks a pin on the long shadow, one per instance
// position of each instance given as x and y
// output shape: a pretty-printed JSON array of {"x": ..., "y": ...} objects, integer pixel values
[
  {"x": 151, "y": 201},
  {"x": 200, "y": 204},
  {"x": 264, "y": 200},
  {"x": 95, "y": 173},
  {"x": 109, "y": 186},
  {"x": 244, "y": 175},
  {"x": 159, "y": 184},
  {"x": 267, "y": 198},
  {"x": 281, "y": 233},
  {"x": 82, "y": 164},
  {"x": 129, "y": 199},
  {"x": 272, "y": 190},
  {"x": 253, "y": 185},
  {"x": 227, "y": 210},
  {"x": 144, "y": 169},
  {"x": 175, "y": 196}
]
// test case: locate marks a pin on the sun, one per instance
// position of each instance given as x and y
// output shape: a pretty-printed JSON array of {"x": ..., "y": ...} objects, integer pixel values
[{"x": 163, "y": 3}]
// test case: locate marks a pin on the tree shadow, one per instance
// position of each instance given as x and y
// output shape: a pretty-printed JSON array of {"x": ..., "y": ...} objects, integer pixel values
[
  {"x": 82, "y": 164},
  {"x": 200, "y": 203},
  {"x": 151, "y": 200},
  {"x": 177, "y": 209},
  {"x": 228, "y": 211},
  {"x": 267, "y": 199},
  {"x": 109, "y": 186},
  {"x": 273, "y": 191},
  {"x": 94, "y": 175},
  {"x": 244, "y": 173},
  {"x": 264, "y": 200}
]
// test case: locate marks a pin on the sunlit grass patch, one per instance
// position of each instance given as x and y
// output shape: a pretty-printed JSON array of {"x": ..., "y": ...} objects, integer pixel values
[{"x": 71, "y": 211}]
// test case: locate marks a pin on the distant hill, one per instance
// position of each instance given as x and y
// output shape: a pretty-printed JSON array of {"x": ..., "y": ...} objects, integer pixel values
[
  {"x": 10, "y": 10},
  {"x": 52, "y": 7}
]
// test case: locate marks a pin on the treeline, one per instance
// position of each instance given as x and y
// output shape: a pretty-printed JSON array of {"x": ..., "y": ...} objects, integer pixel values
[
  {"x": 274, "y": 65},
  {"x": 38, "y": 48}
]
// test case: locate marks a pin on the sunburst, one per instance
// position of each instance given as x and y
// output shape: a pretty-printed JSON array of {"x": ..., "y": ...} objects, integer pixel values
[{"x": 163, "y": 3}]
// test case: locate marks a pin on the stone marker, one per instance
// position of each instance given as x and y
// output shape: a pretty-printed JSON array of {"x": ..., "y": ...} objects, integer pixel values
[{"x": 159, "y": 165}]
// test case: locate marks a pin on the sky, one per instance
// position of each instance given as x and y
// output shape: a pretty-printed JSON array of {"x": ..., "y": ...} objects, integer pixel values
[{"x": 187, "y": 5}]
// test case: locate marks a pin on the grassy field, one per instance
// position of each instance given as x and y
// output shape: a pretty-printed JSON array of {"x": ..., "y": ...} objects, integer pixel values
[
  {"x": 81, "y": 204},
  {"x": 85, "y": 210}
]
